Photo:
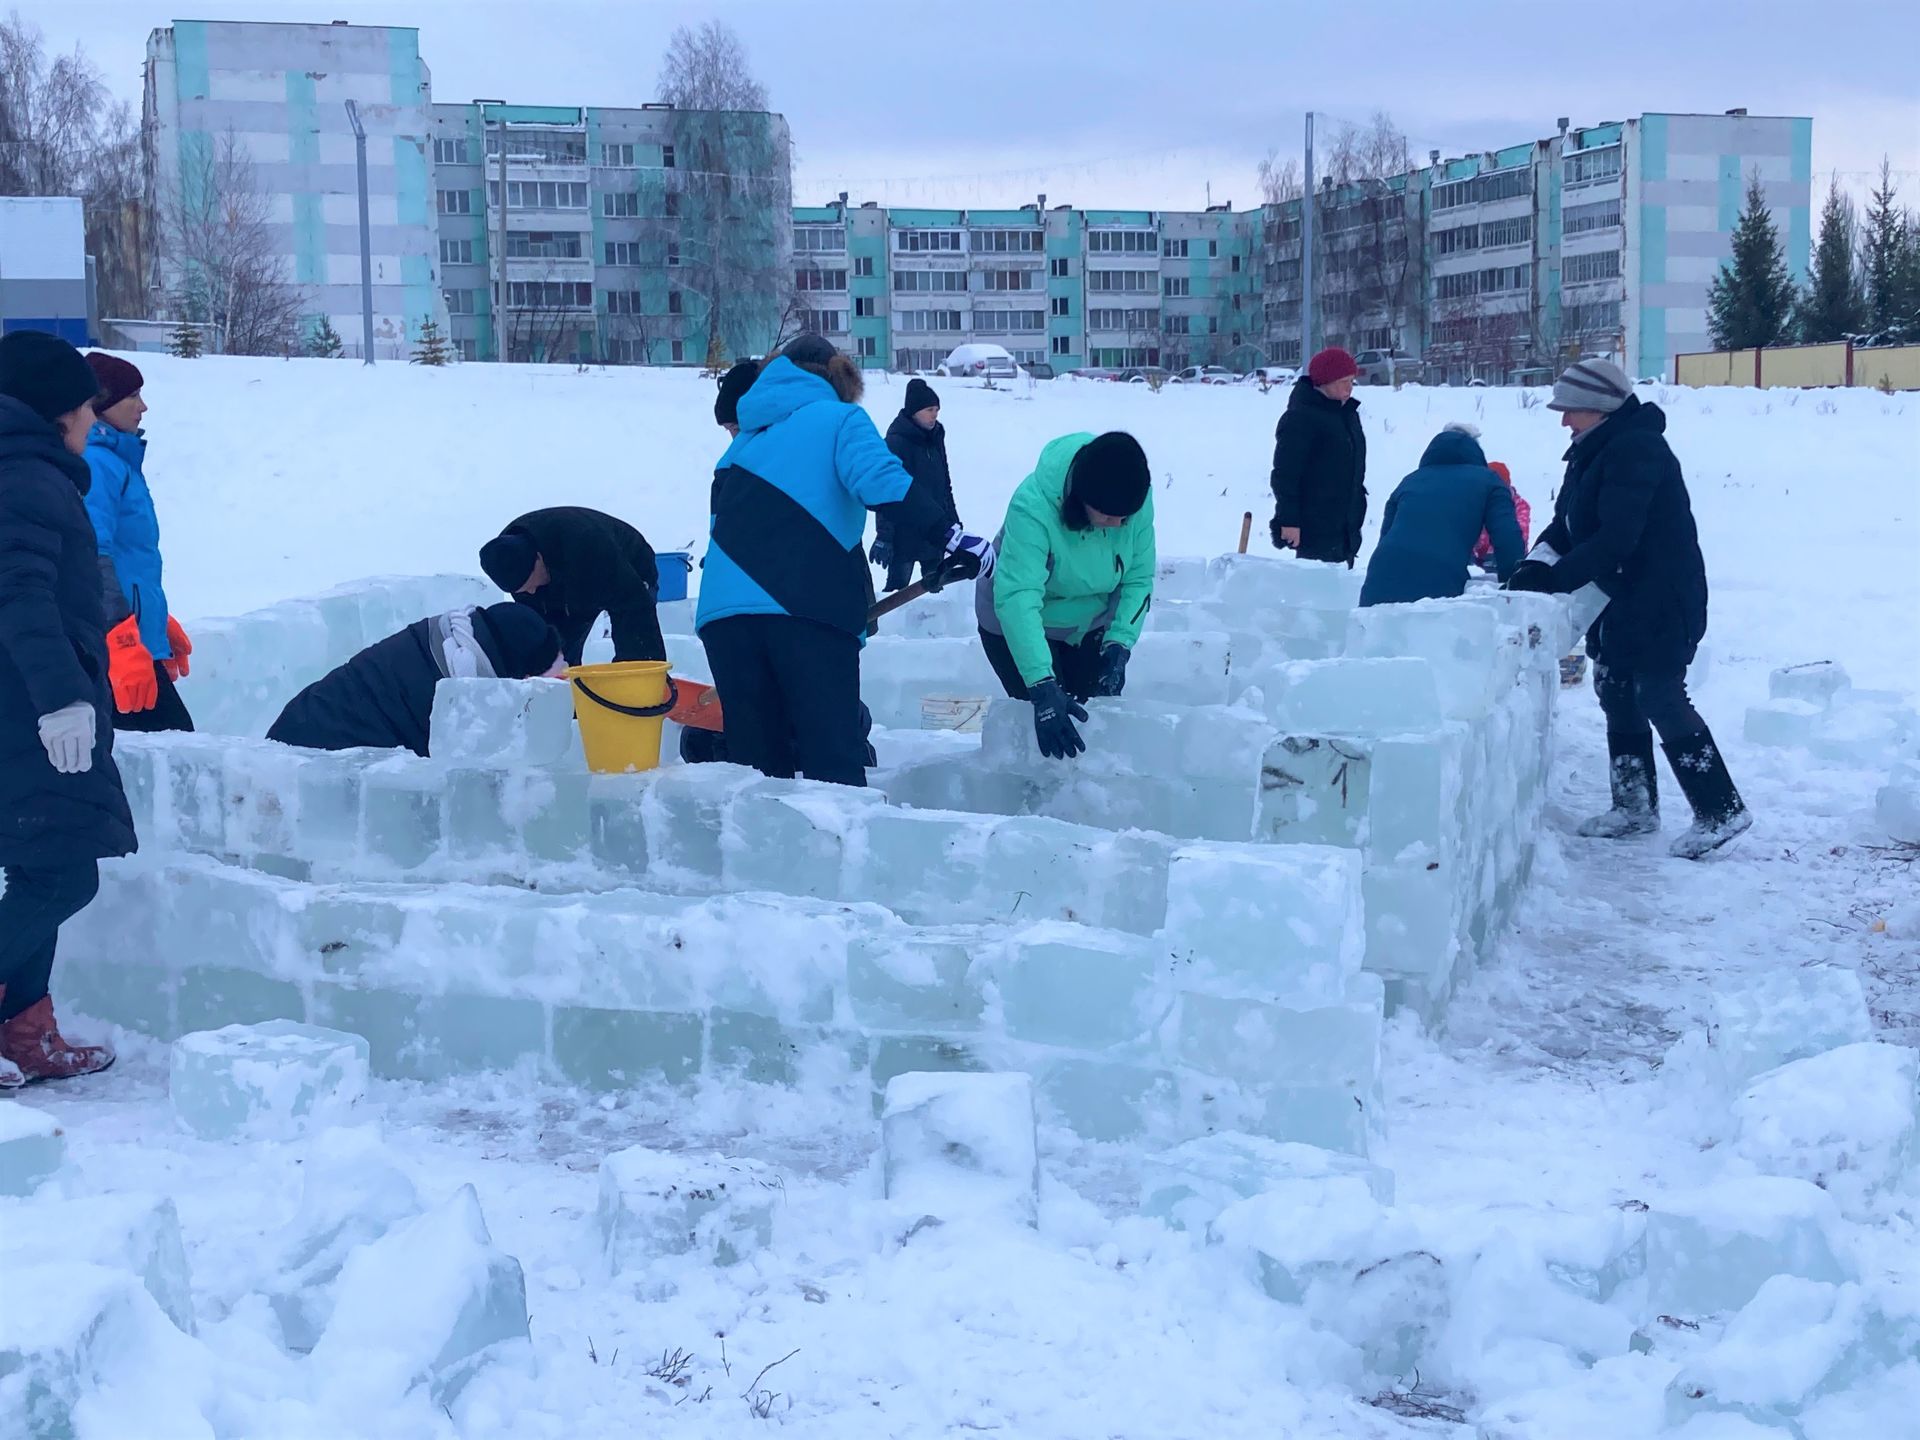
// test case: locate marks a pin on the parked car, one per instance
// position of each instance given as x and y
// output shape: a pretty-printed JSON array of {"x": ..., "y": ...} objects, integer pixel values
[
  {"x": 1145, "y": 375},
  {"x": 1039, "y": 370},
  {"x": 1203, "y": 375},
  {"x": 981, "y": 360},
  {"x": 1388, "y": 367},
  {"x": 1271, "y": 376},
  {"x": 1094, "y": 372}
]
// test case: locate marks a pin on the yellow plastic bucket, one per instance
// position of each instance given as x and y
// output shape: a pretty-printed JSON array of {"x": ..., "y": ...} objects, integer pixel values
[{"x": 621, "y": 709}]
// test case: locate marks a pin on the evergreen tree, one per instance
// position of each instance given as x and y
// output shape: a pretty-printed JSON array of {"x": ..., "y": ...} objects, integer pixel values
[
  {"x": 325, "y": 343},
  {"x": 1834, "y": 304},
  {"x": 716, "y": 355},
  {"x": 184, "y": 342},
  {"x": 432, "y": 347},
  {"x": 1751, "y": 302},
  {"x": 1884, "y": 246},
  {"x": 1903, "y": 325}
]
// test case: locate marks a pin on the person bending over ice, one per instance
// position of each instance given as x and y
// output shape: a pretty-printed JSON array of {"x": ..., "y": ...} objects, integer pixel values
[
  {"x": 570, "y": 566},
  {"x": 1433, "y": 519}
]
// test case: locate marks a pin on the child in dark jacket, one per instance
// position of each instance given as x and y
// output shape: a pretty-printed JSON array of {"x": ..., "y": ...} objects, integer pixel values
[
  {"x": 919, "y": 442},
  {"x": 1434, "y": 519}
]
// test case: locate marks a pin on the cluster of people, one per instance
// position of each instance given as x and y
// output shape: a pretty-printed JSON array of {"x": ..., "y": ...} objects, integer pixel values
[{"x": 88, "y": 643}]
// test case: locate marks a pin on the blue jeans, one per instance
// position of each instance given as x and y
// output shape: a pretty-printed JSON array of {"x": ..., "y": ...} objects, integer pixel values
[{"x": 37, "y": 902}]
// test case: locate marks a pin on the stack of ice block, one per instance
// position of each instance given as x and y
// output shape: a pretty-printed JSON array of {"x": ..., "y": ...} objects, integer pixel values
[{"x": 1815, "y": 706}]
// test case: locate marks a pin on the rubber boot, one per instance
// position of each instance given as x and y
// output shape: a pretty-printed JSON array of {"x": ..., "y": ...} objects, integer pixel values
[
  {"x": 32, "y": 1041},
  {"x": 10, "y": 1076},
  {"x": 1636, "y": 792},
  {"x": 1719, "y": 814}
]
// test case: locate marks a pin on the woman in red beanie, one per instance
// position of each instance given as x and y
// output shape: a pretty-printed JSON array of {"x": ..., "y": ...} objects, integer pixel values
[{"x": 1320, "y": 464}]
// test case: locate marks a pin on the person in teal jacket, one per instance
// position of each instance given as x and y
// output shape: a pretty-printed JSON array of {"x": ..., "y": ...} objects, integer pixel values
[
  {"x": 1072, "y": 581},
  {"x": 146, "y": 648},
  {"x": 1434, "y": 519}
]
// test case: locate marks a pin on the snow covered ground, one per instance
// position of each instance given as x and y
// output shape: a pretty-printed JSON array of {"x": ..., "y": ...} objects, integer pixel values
[{"x": 1540, "y": 1110}]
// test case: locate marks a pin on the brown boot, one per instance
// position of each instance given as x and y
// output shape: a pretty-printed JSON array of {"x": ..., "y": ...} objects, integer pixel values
[
  {"x": 32, "y": 1041},
  {"x": 10, "y": 1076}
]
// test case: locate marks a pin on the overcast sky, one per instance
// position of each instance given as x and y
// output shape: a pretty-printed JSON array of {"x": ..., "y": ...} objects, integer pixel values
[{"x": 1143, "y": 103}]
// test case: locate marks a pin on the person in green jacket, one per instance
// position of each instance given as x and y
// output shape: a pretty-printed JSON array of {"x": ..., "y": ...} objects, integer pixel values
[{"x": 1061, "y": 613}]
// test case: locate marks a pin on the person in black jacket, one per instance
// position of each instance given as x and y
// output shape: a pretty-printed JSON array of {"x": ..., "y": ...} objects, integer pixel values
[
  {"x": 1623, "y": 521},
  {"x": 1320, "y": 464},
  {"x": 919, "y": 441},
  {"x": 62, "y": 808},
  {"x": 383, "y": 697},
  {"x": 571, "y": 565}
]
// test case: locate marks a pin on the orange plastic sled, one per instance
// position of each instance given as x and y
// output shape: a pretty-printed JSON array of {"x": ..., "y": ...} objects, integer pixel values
[{"x": 696, "y": 706}]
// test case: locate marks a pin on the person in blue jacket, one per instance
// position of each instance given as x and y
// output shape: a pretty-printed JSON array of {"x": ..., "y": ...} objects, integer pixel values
[
  {"x": 1434, "y": 519},
  {"x": 785, "y": 587},
  {"x": 147, "y": 650}
]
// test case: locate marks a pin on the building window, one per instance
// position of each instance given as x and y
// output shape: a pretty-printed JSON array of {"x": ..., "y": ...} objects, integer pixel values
[
  {"x": 1123, "y": 320},
  {"x": 907, "y": 282},
  {"x": 913, "y": 322},
  {"x": 623, "y": 252},
  {"x": 460, "y": 302},
  {"x": 546, "y": 147},
  {"x": 1063, "y": 344},
  {"x": 1177, "y": 285},
  {"x": 825, "y": 322},
  {"x": 620, "y": 204},
  {"x": 1585, "y": 167},
  {"x": 673, "y": 253},
  {"x": 1175, "y": 325},
  {"x": 666, "y": 156},
  {"x": 1059, "y": 267},
  {"x": 677, "y": 351},
  {"x": 543, "y": 245},
  {"x": 991, "y": 280},
  {"x": 1590, "y": 319},
  {"x": 626, "y": 352},
  {"x": 863, "y": 267},
  {"x": 1007, "y": 242},
  {"x": 1123, "y": 242},
  {"x": 809, "y": 239},
  {"x": 928, "y": 241},
  {"x": 451, "y": 152},
  {"x": 1505, "y": 184},
  {"x": 1582, "y": 269},
  {"x": 469, "y": 349},
  {"x": 1009, "y": 322},
  {"x": 1173, "y": 249},
  {"x": 549, "y": 295},
  {"x": 1460, "y": 237},
  {"x": 672, "y": 200},
  {"x": 866, "y": 307},
  {"x": 1127, "y": 357},
  {"x": 1234, "y": 265},
  {"x": 1378, "y": 338},
  {"x": 675, "y": 305},
  {"x": 1061, "y": 305},
  {"x": 866, "y": 347},
  {"x": 1506, "y": 232},
  {"x": 1602, "y": 215},
  {"x": 456, "y": 202},
  {"x": 456, "y": 252},
  {"x": 809, "y": 278},
  {"x": 1138, "y": 282},
  {"x": 1213, "y": 249},
  {"x": 1482, "y": 282},
  {"x": 623, "y": 302},
  {"x": 539, "y": 194},
  {"x": 617, "y": 157}
]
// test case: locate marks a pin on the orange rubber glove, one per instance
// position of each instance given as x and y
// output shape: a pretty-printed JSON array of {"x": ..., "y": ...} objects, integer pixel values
[
  {"x": 177, "y": 668},
  {"x": 136, "y": 684}
]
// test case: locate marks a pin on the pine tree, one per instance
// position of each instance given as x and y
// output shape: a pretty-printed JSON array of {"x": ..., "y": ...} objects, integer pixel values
[
  {"x": 325, "y": 343},
  {"x": 1752, "y": 298},
  {"x": 1834, "y": 304},
  {"x": 1883, "y": 246},
  {"x": 184, "y": 342},
  {"x": 432, "y": 347},
  {"x": 716, "y": 355},
  {"x": 1903, "y": 325}
]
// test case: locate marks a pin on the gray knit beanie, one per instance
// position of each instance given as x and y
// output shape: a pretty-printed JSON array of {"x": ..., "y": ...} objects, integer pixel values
[{"x": 1591, "y": 385}]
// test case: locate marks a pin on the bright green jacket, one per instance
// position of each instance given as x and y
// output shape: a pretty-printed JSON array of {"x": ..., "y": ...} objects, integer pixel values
[{"x": 1051, "y": 582}]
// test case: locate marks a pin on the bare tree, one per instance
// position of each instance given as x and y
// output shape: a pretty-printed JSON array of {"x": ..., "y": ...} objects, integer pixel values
[
  {"x": 1279, "y": 179},
  {"x": 50, "y": 114},
  {"x": 223, "y": 262},
  {"x": 706, "y": 69}
]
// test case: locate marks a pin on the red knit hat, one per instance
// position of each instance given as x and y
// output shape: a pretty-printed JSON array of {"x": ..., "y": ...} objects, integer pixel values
[
  {"x": 1330, "y": 365},
  {"x": 118, "y": 379}
]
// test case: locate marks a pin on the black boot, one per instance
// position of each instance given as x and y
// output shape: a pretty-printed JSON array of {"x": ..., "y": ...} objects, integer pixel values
[
  {"x": 1719, "y": 814},
  {"x": 1636, "y": 792}
]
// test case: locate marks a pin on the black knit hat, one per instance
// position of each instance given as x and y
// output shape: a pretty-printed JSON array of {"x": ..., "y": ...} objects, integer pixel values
[
  {"x": 920, "y": 395},
  {"x": 518, "y": 641},
  {"x": 735, "y": 383},
  {"x": 45, "y": 374},
  {"x": 1110, "y": 474},
  {"x": 810, "y": 350},
  {"x": 508, "y": 560}
]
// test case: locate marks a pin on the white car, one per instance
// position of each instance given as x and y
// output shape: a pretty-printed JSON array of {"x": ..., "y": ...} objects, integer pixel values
[
  {"x": 1204, "y": 375},
  {"x": 1272, "y": 376},
  {"x": 988, "y": 362}
]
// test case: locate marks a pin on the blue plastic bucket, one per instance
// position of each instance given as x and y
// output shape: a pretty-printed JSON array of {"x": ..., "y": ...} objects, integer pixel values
[{"x": 675, "y": 567}]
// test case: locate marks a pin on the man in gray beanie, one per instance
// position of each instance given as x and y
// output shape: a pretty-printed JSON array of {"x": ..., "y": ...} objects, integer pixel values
[{"x": 1623, "y": 521}]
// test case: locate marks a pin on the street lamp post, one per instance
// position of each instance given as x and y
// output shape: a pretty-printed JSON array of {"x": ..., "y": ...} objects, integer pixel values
[{"x": 366, "y": 235}]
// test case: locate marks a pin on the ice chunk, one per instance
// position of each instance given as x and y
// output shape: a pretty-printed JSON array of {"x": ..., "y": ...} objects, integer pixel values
[
  {"x": 1457, "y": 640},
  {"x": 1762, "y": 1023},
  {"x": 1041, "y": 869},
  {"x": 139, "y": 1234},
  {"x": 686, "y": 814},
  {"x": 792, "y": 837},
  {"x": 269, "y": 1081},
  {"x": 1781, "y": 722},
  {"x": 1897, "y": 806},
  {"x": 402, "y": 813},
  {"x": 352, "y": 1192},
  {"x": 617, "y": 823},
  {"x": 1272, "y": 922},
  {"x": 32, "y": 1148},
  {"x": 1086, "y": 989},
  {"x": 1815, "y": 683},
  {"x": 513, "y": 816},
  {"x": 502, "y": 722},
  {"x": 1868, "y": 734},
  {"x": 654, "y": 1203},
  {"x": 1710, "y": 1250},
  {"x": 613, "y": 1049},
  {"x": 1375, "y": 696},
  {"x": 1796, "y": 1341},
  {"x": 960, "y": 1146},
  {"x": 1266, "y": 584},
  {"x": 1416, "y": 799},
  {"x": 1189, "y": 669},
  {"x": 1109, "y": 1100},
  {"x": 1414, "y": 921},
  {"x": 1844, "y": 1120},
  {"x": 924, "y": 865},
  {"x": 430, "y": 1302},
  {"x": 1314, "y": 791},
  {"x": 1192, "y": 1183},
  {"x": 914, "y": 979},
  {"x": 1330, "y": 1043}
]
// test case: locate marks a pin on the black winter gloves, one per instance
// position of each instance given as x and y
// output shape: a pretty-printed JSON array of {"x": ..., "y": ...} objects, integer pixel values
[
  {"x": 1113, "y": 670},
  {"x": 1053, "y": 717},
  {"x": 882, "y": 553},
  {"x": 1534, "y": 575}
]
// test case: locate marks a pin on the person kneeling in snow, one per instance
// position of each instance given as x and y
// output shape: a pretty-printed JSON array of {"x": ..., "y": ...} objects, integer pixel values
[
  {"x": 1072, "y": 581},
  {"x": 1432, "y": 520},
  {"x": 383, "y": 697}
]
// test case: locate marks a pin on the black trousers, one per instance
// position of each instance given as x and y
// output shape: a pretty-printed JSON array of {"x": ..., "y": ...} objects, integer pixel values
[
  {"x": 38, "y": 901},
  {"x": 790, "y": 690},
  {"x": 1076, "y": 667},
  {"x": 1634, "y": 700},
  {"x": 169, "y": 714}
]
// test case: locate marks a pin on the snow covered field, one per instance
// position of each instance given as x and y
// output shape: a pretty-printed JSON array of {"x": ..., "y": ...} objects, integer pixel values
[{"x": 1524, "y": 1135}]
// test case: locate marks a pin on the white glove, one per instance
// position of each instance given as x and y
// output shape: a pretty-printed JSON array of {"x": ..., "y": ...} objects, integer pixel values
[
  {"x": 68, "y": 735},
  {"x": 960, "y": 542}
]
